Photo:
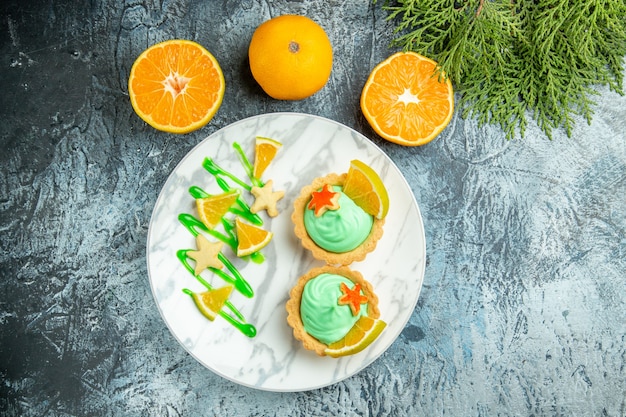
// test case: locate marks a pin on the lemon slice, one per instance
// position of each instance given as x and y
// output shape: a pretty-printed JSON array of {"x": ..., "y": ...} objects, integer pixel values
[
  {"x": 212, "y": 209},
  {"x": 211, "y": 302},
  {"x": 366, "y": 189},
  {"x": 362, "y": 334}
]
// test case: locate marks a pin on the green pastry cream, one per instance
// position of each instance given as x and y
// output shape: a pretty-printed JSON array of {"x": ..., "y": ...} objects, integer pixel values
[
  {"x": 321, "y": 314},
  {"x": 339, "y": 230}
]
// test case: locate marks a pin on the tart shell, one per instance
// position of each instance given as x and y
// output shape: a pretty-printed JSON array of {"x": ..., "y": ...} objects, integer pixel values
[
  {"x": 295, "y": 298},
  {"x": 331, "y": 258}
]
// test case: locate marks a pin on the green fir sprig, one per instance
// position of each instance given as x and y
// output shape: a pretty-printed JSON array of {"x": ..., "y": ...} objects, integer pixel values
[{"x": 510, "y": 58}]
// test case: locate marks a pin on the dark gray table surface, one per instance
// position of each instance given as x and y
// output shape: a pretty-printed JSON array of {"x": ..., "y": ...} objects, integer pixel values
[{"x": 523, "y": 306}]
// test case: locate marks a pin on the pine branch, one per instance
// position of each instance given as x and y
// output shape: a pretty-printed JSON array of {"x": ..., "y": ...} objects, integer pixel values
[{"x": 511, "y": 58}]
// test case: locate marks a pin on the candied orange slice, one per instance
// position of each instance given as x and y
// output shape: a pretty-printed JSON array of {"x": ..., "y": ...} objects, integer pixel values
[
  {"x": 250, "y": 238},
  {"x": 265, "y": 151},
  {"x": 362, "y": 334},
  {"x": 364, "y": 186},
  {"x": 212, "y": 209},
  {"x": 211, "y": 302}
]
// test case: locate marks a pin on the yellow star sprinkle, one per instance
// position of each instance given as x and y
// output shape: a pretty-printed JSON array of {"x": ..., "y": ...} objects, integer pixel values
[
  {"x": 266, "y": 199},
  {"x": 206, "y": 255}
]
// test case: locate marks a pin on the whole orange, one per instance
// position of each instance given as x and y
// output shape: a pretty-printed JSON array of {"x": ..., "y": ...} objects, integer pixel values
[{"x": 290, "y": 57}]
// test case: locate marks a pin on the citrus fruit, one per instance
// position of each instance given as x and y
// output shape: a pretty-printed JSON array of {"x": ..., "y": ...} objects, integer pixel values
[
  {"x": 406, "y": 100},
  {"x": 290, "y": 57},
  {"x": 366, "y": 189},
  {"x": 212, "y": 209},
  {"x": 176, "y": 86},
  {"x": 211, "y": 302},
  {"x": 362, "y": 334},
  {"x": 250, "y": 238},
  {"x": 265, "y": 151}
]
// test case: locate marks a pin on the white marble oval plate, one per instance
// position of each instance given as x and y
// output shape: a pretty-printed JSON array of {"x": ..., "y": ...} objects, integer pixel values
[{"x": 273, "y": 360}]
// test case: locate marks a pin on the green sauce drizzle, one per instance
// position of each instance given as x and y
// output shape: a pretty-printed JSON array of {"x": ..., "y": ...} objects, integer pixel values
[
  {"x": 217, "y": 172},
  {"x": 236, "y": 280},
  {"x": 193, "y": 224},
  {"x": 245, "y": 328},
  {"x": 247, "y": 166},
  {"x": 242, "y": 209}
]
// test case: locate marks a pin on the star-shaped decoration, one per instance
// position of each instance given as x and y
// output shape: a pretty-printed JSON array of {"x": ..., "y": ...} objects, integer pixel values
[
  {"x": 266, "y": 199},
  {"x": 352, "y": 297},
  {"x": 206, "y": 255},
  {"x": 323, "y": 200}
]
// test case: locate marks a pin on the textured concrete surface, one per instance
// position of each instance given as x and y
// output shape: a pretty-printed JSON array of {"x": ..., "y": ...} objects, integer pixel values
[{"x": 523, "y": 306}]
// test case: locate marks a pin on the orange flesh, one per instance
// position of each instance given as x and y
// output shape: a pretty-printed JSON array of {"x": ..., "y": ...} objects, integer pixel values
[
  {"x": 176, "y": 85},
  {"x": 406, "y": 100}
]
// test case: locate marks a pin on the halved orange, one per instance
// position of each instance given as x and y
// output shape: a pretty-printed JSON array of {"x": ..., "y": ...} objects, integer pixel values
[
  {"x": 364, "y": 186},
  {"x": 176, "y": 86},
  {"x": 250, "y": 238},
  {"x": 407, "y": 100},
  {"x": 211, "y": 302},
  {"x": 360, "y": 336},
  {"x": 212, "y": 209},
  {"x": 265, "y": 151}
]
